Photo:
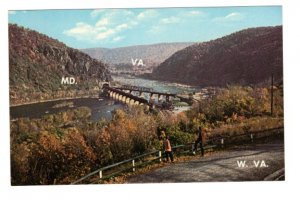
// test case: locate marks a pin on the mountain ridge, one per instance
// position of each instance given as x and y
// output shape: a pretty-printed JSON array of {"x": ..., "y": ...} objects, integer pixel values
[
  {"x": 152, "y": 54},
  {"x": 37, "y": 64},
  {"x": 245, "y": 57}
]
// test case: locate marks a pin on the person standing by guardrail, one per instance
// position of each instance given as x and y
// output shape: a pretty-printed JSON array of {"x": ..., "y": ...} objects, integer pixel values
[
  {"x": 200, "y": 141},
  {"x": 168, "y": 149}
]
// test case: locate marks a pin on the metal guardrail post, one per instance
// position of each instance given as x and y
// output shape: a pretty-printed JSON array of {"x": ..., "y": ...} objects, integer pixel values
[
  {"x": 159, "y": 155},
  {"x": 222, "y": 142},
  {"x": 133, "y": 164},
  {"x": 100, "y": 174}
]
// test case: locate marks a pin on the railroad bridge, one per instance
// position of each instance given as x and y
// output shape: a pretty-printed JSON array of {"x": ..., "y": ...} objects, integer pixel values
[
  {"x": 126, "y": 94},
  {"x": 123, "y": 96},
  {"x": 141, "y": 90}
]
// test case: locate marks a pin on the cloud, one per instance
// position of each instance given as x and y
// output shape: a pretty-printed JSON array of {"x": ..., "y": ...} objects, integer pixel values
[
  {"x": 118, "y": 38},
  {"x": 194, "y": 13},
  {"x": 146, "y": 14},
  {"x": 232, "y": 17},
  {"x": 111, "y": 22},
  {"x": 122, "y": 27},
  {"x": 97, "y": 12},
  {"x": 102, "y": 22},
  {"x": 82, "y": 31},
  {"x": 155, "y": 29},
  {"x": 102, "y": 30},
  {"x": 105, "y": 34},
  {"x": 13, "y": 12},
  {"x": 163, "y": 25},
  {"x": 170, "y": 20}
]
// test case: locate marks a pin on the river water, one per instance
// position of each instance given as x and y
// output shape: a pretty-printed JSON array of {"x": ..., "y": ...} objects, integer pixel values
[
  {"x": 101, "y": 108},
  {"x": 156, "y": 85}
]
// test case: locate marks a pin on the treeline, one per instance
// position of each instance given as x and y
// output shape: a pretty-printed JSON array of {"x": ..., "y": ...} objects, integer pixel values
[
  {"x": 245, "y": 57},
  {"x": 60, "y": 148}
]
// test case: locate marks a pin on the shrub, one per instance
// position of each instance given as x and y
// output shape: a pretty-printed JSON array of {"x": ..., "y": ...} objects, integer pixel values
[
  {"x": 61, "y": 148},
  {"x": 235, "y": 103},
  {"x": 248, "y": 125}
]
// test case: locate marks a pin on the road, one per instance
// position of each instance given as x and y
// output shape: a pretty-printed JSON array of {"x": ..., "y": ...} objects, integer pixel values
[{"x": 261, "y": 162}]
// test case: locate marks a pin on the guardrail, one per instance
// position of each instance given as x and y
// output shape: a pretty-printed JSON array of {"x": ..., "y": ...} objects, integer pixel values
[
  {"x": 132, "y": 166},
  {"x": 147, "y": 158},
  {"x": 254, "y": 135}
]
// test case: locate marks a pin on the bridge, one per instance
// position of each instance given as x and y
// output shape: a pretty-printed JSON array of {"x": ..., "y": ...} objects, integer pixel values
[
  {"x": 135, "y": 88},
  {"x": 126, "y": 94},
  {"x": 152, "y": 93},
  {"x": 123, "y": 96}
]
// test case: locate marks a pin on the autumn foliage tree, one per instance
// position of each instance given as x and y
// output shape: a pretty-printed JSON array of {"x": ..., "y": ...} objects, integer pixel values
[{"x": 61, "y": 148}]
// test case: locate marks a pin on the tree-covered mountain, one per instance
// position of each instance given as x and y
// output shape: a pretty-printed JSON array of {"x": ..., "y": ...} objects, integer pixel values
[
  {"x": 152, "y": 55},
  {"x": 246, "y": 57},
  {"x": 37, "y": 64}
]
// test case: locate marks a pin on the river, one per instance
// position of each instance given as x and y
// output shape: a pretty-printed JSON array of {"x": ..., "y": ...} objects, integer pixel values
[
  {"x": 100, "y": 108},
  {"x": 160, "y": 86}
]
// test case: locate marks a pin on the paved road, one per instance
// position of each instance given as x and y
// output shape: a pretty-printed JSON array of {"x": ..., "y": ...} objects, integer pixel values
[{"x": 262, "y": 162}]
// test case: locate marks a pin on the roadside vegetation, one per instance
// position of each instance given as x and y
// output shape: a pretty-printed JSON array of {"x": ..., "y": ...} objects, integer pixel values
[
  {"x": 61, "y": 148},
  {"x": 236, "y": 110}
]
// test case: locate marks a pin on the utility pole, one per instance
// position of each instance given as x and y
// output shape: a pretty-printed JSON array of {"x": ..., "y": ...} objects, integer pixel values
[{"x": 272, "y": 85}]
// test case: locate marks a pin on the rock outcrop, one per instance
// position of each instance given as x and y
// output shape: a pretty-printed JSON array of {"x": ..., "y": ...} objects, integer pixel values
[{"x": 37, "y": 64}]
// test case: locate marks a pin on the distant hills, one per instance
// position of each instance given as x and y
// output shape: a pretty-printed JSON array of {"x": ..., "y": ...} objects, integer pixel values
[
  {"x": 246, "y": 57},
  {"x": 37, "y": 64},
  {"x": 152, "y": 55}
]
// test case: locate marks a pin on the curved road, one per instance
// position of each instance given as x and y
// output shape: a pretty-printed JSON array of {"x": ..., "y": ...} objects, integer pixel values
[{"x": 252, "y": 162}]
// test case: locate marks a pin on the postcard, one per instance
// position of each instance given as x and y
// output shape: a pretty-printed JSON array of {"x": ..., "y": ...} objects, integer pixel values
[{"x": 146, "y": 95}]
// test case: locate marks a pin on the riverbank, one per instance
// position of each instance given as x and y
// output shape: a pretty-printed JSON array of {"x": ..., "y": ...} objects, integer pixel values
[
  {"x": 162, "y": 86},
  {"x": 56, "y": 99}
]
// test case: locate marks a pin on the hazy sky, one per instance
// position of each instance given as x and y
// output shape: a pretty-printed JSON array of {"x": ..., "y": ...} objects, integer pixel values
[{"x": 112, "y": 28}]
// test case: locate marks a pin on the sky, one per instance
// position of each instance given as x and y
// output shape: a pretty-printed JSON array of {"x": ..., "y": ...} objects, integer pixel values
[{"x": 112, "y": 28}]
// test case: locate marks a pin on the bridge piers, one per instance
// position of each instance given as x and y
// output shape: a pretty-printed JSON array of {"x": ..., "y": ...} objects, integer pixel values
[
  {"x": 128, "y": 95},
  {"x": 131, "y": 102},
  {"x": 167, "y": 98},
  {"x": 158, "y": 97}
]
